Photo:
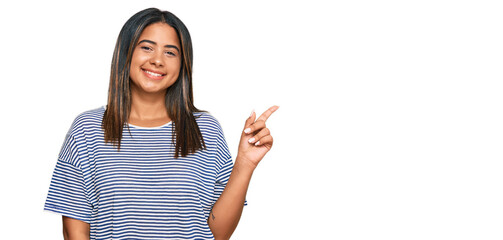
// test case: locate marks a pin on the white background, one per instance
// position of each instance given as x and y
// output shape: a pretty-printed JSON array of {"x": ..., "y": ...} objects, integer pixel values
[{"x": 390, "y": 123}]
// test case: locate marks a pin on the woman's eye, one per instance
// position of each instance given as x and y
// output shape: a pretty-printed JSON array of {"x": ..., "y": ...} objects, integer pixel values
[
  {"x": 170, "y": 53},
  {"x": 145, "y": 48}
]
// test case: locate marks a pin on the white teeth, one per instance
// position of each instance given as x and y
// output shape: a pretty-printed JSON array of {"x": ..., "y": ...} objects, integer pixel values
[{"x": 153, "y": 74}]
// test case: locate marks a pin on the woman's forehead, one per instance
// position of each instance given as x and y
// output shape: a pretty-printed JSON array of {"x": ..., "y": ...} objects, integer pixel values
[{"x": 160, "y": 33}]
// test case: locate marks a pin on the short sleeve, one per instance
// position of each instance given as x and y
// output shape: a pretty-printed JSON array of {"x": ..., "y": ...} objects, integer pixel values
[
  {"x": 67, "y": 192},
  {"x": 225, "y": 169}
]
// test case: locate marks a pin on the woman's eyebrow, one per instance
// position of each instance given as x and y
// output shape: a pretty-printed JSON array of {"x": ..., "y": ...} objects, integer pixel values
[{"x": 154, "y": 43}]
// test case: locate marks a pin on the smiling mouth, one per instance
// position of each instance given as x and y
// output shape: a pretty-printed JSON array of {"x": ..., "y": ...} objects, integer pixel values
[{"x": 153, "y": 75}]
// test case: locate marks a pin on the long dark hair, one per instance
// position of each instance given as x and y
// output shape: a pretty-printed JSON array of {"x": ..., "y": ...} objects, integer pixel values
[{"x": 179, "y": 99}]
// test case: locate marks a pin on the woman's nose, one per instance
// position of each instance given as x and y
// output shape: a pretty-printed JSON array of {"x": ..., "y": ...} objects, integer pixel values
[{"x": 156, "y": 60}]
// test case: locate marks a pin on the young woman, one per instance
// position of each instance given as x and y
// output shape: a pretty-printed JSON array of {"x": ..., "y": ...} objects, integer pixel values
[{"x": 149, "y": 164}]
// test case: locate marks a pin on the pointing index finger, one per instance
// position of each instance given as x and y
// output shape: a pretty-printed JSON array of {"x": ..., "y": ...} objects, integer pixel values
[{"x": 267, "y": 113}]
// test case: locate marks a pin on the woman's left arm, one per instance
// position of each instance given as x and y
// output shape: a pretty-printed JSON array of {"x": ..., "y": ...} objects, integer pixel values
[{"x": 255, "y": 142}]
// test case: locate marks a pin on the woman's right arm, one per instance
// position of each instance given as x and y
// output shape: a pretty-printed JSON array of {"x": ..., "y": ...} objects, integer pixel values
[{"x": 74, "y": 229}]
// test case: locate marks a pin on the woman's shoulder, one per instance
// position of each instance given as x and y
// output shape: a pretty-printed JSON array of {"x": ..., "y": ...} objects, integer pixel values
[
  {"x": 92, "y": 115},
  {"x": 204, "y": 116},
  {"x": 207, "y": 122},
  {"x": 88, "y": 119}
]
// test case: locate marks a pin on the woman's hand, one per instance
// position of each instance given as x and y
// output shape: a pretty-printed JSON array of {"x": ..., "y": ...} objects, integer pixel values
[{"x": 256, "y": 139}]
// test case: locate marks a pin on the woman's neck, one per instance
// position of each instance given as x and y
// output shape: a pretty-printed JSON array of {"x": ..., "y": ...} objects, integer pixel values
[{"x": 148, "y": 107}]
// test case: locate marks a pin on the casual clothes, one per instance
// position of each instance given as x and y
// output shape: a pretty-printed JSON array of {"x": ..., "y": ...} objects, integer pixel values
[{"x": 141, "y": 191}]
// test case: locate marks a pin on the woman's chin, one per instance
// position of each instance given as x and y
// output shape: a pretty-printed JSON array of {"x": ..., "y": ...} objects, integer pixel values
[{"x": 151, "y": 89}]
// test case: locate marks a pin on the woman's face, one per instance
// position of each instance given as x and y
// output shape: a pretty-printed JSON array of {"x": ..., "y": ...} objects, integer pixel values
[{"x": 155, "y": 63}]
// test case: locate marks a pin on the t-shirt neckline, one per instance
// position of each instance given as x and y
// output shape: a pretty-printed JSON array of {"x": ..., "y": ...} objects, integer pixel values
[
  {"x": 140, "y": 127},
  {"x": 157, "y": 127}
]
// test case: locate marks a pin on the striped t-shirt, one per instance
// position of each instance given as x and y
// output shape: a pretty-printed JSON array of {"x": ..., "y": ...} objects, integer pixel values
[{"x": 142, "y": 191}]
